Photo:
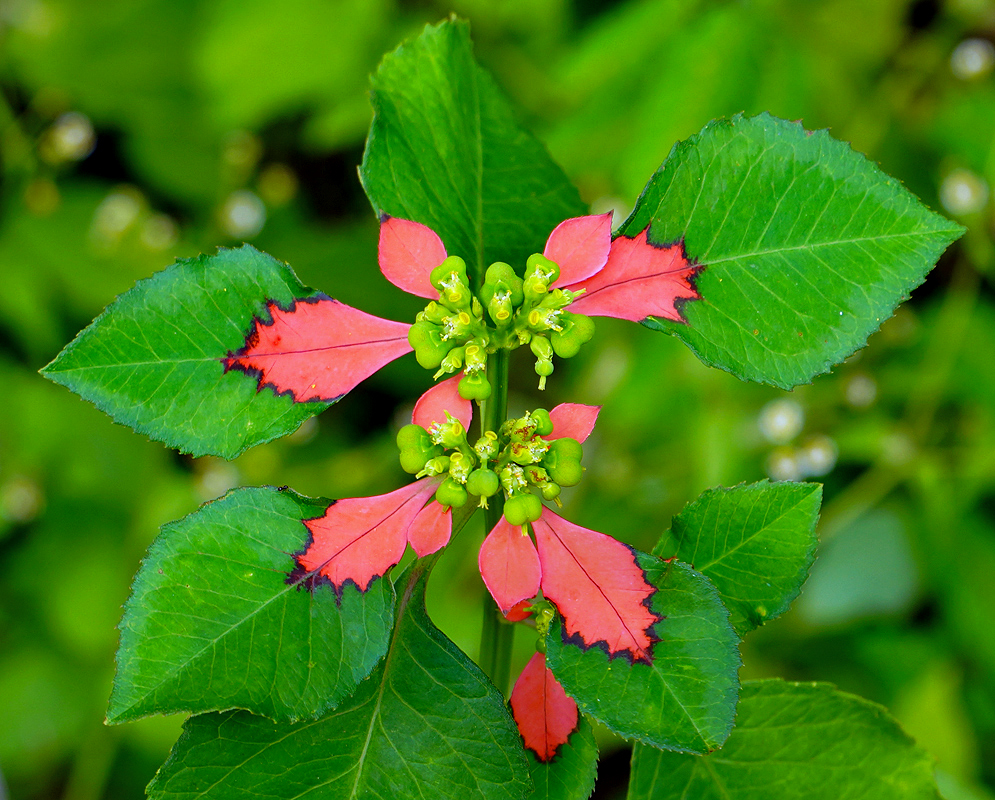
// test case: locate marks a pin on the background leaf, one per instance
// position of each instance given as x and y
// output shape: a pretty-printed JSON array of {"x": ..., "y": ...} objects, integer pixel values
[
  {"x": 153, "y": 359},
  {"x": 806, "y": 245},
  {"x": 213, "y": 624},
  {"x": 756, "y": 543},
  {"x": 445, "y": 150},
  {"x": 427, "y": 719},
  {"x": 794, "y": 740},
  {"x": 685, "y": 699}
]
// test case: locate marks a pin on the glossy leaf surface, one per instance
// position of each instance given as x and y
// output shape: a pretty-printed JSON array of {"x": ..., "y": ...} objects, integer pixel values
[
  {"x": 755, "y": 542},
  {"x": 806, "y": 247},
  {"x": 685, "y": 698},
  {"x": 427, "y": 723},
  {"x": 445, "y": 150},
  {"x": 154, "y": 360},
  {"x": 214, "y": 623},
  {"x": 794, "y": 741}
]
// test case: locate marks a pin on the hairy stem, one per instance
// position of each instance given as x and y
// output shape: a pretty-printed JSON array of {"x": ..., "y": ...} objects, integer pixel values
[{"x": 496, "y": 637}]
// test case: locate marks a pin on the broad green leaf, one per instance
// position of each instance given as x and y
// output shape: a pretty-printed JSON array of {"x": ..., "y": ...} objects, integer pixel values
[
  {"x": 756, "y": 543},
  {"x": 445, "y": 150},
  {"x": 215, "y": 623},
  {"x": 571, "y": 773},
  {"x": 154, "y": 359},
  {"x": 686, "y": 698},
  {"x": 794, "y": 741},
  {"x": 427, "y": 723},
  {"x": 806, "y": 246}
]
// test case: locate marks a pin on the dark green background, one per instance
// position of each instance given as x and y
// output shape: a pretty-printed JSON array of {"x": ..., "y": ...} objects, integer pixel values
[{"x": 192, "y": 101}]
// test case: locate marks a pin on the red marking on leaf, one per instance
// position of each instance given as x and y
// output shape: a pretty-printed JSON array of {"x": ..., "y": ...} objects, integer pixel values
[
  {"x": 408, "y": 252},
  {"x": 640, "y": 280},
  {"x": 544, "y": 713},
  {"x": 433, "y": 405},
  {"x": 318, "y": 349},
  {"x": 509, "y": 565},
  {"x": 358, "y": 539},
  {"x": 598, "y": 587},
  {"x": 431, "y": 529},
  {"x": 521, "y": 610},
  {"x": 574, "y": 420},
  {"x": 580, "y": 247}
]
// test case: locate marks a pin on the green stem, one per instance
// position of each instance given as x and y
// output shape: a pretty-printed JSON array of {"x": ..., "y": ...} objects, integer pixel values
[{"x": 496, "y": 636}]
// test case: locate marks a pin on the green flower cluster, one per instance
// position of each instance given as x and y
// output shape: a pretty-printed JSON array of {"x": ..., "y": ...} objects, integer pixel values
[
  {"x": 461, "y": 329},
  {"x": 515, "y": 460}
]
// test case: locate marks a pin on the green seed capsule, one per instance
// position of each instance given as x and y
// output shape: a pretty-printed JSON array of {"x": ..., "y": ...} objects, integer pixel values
[
  {"x": 500, "y": 277},
  {"x": 538, "y": 264},
  {"x": 550, "y": 491},
  {"x": 544, "y": 425},
  {"x": 413, "y": 436},
  {"x": 474, "y": 387},
  {"x": 450, "y": 494},
  {"x": 483, "y": 483},
  {"x": 522, "y": 508},
  {"x": 576, "y": 330},
  {"x": 562, "y": 462},
  {"x": 450, "y": 271},
  {"x": 414, "y": 459},
  {"x": 426, "y": 340}
]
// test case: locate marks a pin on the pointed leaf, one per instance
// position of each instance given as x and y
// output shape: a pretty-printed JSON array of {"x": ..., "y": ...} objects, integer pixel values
[
  {"x": 805, "y": 246},
  {"x": 445, "y": 150},
  {"x": 433, "y": 405},
  {"x": 319, "y": 349},
  {"x": 431, "y": 530},
  {"x": 427, "y": 723},
  {"x": 794, "y": 741},
  {"x": 213, "y": 623},
  {"x": 573, "y": 420},
  {"x": 408, "y": 252},
  {"x": 641, "y": 279},
  {"x": 756, "y": 543},
  {"x": 580, "y": 246},
  {"x": 154, "y": 360},
  {"x": 509, "y": 565},
  {"x": 685, "y": 698},
  {"x": 598, "y": 586},
  {"x": 356, "y": 540}
]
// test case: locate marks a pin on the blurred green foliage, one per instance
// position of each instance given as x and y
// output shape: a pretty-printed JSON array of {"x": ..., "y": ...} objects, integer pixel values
[{"x": 134, "y": 131}]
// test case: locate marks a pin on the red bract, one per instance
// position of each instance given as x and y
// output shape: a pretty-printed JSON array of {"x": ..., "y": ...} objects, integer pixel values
[
  {"x": 545, "y": 715},
  {"x": 595, "y": 581},
  {"x": 358, "y": 539},
  {"x": 318, "y": 349}
]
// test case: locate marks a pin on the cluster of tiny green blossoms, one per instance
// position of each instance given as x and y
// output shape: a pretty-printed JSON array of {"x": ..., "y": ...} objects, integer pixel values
[
  {"x": 515, "y": 459},
  {"x": 454, "y": 334}
]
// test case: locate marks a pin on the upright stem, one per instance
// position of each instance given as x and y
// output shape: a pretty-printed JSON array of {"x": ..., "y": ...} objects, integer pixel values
[{"x": 496, "y": 636}]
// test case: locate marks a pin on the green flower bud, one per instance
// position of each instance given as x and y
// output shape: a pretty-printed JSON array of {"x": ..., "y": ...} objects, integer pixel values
[
  {"x": 459, "y": 467},
  {"x": 453, "y": 362},
  {"x": 475, "y": 354},
  {"x": 522, "y": 508},
  {"x": 413, "y": 436},
  {"x": 541, "y": 320},
  {"x": 541, "y": 347},
  {"x": 434, "y": 466},
  {"x": 450, "y": 434},
  {"x": 486, "y": 447},
  {"x": 426, "y": 340},
  {"x": 576, "y": 330},
  {"x": 500, "y": 277},
  {"x": 513, "y": 479},
  {"x": 544, "y": 425},
  {"x": 434, "y": 313},
  {"x": 537, "y": 264},
  {"x": 458, "y": 326},
  {"x": 550, "y": 490},
  {"x": 535, "y": 289},
  {"x": 483, "y": 483},
  {"x": 536, "y": 475},
  {"x": 500, "y": 309},
  {"x": 450, "y": 271},
  {"x": 450, "y": 494},
  {"x": 474, "y": 387}
]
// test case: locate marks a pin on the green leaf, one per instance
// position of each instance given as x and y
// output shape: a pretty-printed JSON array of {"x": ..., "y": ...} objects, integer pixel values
[
  {"x": 756, "y": 543},
  {"x": 807, "y": 247},
  {"x": 427, "y": 723},
  {"x": 794, "y": 741},
  {"x": 686, "y": 698},
  {"x": 571, "y": 774},
  {"x": 153, "y": 358},
  {"x": 214, "y": 624},
  {"x": 445, "y": 150}
]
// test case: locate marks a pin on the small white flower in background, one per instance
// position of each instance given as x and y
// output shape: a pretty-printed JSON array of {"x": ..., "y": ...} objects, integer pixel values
[
  {"x": 963, "y": 192},
  {"x": 159, "y": 232},
  {"x": 861, "y": 391},
  {"x": 781, "y": 421},
  {"x": 817, "y": 456},
  {"x": 782, "y": 465},
  {"x": 972, "y": 58},
  {"x": 20, "y": 500},
  {"x": 116, "y": 214},
  {"x": 242, "y": 215}
]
